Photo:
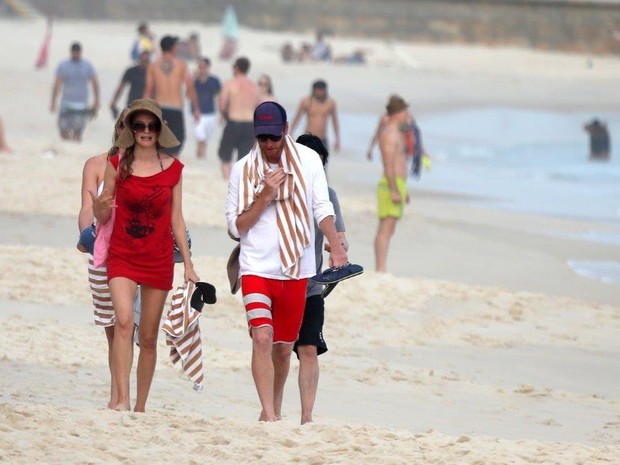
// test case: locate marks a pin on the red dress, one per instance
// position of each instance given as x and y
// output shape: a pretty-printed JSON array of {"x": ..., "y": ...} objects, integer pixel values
[{"x": 141, "y": 242}]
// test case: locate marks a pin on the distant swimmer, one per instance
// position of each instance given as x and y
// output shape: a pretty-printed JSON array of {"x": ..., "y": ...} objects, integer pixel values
[{"x": 599, "y": 140}]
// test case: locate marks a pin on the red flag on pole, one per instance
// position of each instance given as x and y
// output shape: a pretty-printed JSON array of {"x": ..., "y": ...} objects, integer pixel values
[{"x": 45, "y": 47}]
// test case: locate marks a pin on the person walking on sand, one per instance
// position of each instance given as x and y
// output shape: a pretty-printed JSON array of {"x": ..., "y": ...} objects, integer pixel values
[
  {"x": 274, "y": 193},
  {"x": 92, "y": 180},
  {"x": 144, "y": 186},
  {"x": 311, "y": 342},
  {"x": 319, "y": 107},
  {"x": 237, "y": 102},
  {"x": 135, "y": 77},
  {"x": 207, "y": 87},
  {"x": 73, "y": 76},
  {"x": 392, "y": 190},
  {"x": 165, "y": 79}
]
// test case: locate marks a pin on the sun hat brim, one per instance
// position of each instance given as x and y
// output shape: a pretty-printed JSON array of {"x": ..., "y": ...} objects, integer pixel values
[{"x": 126, "y": 139}]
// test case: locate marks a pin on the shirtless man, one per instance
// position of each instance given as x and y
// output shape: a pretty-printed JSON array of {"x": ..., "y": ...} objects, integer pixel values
[
  {"x": 392, "y": 190},
  {"x": 164, "y": 83},
  {"x": 236, "y": 102},
  {"x": 318, "y": 108}
]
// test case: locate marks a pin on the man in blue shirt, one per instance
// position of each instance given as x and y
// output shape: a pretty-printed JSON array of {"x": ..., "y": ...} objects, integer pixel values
[
  {"x": 207, "y": 87},
  {"x": 73, "y": 76}
]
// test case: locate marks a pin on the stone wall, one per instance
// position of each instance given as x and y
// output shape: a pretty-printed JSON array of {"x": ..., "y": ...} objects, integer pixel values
[{"x": 569, "y": 25}]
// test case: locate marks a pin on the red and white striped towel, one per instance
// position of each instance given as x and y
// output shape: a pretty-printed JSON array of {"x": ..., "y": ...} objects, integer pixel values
[
  {"x": 183, "y": 334},
  {"x": 291, "y": 208}
]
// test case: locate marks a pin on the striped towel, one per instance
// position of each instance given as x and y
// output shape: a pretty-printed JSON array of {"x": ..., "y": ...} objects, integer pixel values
[
  {"x": 102, "y": 301},
  {"x": 183, "y": 334},
  {"x": 291, "y": 209}
]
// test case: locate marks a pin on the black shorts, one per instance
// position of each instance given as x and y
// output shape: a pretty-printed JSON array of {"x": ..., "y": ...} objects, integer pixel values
[
  {"x": 174, "y": 118},
  {"x": 311, "y": 332},
  {"x": 236, "y": 135}
]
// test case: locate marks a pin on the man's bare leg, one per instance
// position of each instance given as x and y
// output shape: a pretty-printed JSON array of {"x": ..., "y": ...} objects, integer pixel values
[
  {"x": 385, "y": 231},
  {"x": 263, "y": 370},
  {"x": 226, "y": 169},
  {"x": 281, "y": 356},
  {"x": 201, "y": 151},
  {"x": 308, "y": 380}
]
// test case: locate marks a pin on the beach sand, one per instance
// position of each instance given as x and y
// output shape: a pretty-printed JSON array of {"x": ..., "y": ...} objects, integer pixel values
[{"x": 480, "y": 347}]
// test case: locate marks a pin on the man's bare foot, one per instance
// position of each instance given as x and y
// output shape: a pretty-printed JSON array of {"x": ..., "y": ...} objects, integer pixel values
[{"x": 306, "y": 420}]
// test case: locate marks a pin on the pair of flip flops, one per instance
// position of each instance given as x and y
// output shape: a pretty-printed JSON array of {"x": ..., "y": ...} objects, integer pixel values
[
  {"x": 332, "y": 276},
  {"x": 204, "y": 293}
]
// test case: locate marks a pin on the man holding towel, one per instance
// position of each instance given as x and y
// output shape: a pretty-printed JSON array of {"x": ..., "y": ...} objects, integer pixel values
[{"x": 274, "y": 194}]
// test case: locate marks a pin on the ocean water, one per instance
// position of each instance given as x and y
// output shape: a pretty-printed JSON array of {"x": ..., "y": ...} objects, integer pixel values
[{"x": 520, "y": 160}]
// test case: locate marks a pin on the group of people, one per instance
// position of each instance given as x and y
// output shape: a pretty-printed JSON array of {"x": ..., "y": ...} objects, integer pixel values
[{"x": 279, "y": 207}]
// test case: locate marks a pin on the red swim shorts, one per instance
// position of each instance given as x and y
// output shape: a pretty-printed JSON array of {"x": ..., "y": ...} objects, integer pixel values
[{"x": 276, "y": 303}]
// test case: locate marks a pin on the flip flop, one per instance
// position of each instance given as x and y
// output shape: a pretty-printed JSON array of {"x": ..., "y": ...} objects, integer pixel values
[
  {"x": 203, "y": 294},
  {"x": 337, "y": 274},
  {"x": 328, "y": 289}
]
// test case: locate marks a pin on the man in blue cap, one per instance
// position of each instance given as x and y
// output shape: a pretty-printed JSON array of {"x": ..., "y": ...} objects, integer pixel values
[{"x": 274, "y": 193}]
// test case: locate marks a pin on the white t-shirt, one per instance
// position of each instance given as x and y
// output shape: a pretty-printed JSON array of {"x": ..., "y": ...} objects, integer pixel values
[{"x": 260, "y": 247}]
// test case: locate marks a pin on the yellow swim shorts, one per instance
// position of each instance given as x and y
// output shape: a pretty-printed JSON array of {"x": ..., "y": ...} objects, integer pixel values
[{"x": 385, "y": 206}]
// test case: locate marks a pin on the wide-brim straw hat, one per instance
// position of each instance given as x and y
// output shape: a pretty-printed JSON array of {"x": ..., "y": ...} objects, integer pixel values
[{"x": 125, "y": 139}]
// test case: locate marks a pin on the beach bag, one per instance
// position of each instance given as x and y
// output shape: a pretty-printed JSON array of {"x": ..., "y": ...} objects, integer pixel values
[
  {"x": 104, "y": 232},
  {"x": 102, "y": 241}
]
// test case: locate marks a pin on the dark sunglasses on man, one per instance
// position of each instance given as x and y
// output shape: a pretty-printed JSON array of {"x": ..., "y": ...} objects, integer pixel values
[{"x": 265, "y": 137}]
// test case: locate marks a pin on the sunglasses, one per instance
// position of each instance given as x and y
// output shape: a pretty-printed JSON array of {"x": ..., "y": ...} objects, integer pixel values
[
  {"x": 265, "y": 137},
  {"x": 139, "y": 126}
]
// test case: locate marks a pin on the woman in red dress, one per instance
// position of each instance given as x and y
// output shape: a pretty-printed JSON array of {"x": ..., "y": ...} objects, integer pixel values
[{"x": 148, "y": 213}]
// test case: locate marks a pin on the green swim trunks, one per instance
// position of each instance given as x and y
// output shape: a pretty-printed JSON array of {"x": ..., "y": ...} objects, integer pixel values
[{"x": 385, "y": 207}]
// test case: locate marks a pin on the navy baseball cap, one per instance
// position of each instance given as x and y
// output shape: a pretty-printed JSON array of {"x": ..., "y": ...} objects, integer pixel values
[{"x": 269, "y": 118}]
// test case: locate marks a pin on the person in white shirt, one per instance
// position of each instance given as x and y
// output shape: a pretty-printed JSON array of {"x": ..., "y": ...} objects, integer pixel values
[{"x": 274, "y": 194}]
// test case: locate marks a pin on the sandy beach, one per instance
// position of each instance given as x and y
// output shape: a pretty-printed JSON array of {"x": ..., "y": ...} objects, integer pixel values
[{"x": 480, "y": 347}]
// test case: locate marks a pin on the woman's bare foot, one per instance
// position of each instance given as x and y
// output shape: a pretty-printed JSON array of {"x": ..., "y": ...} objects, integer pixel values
[
  {"x": 264, "y": 417},
  {"x": 122, "y": 408}
]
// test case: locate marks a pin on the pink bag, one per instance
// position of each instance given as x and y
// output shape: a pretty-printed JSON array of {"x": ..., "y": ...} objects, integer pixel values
[
  {"x": 104, "y": 232},
  {"x": 102, "y": 241}
]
